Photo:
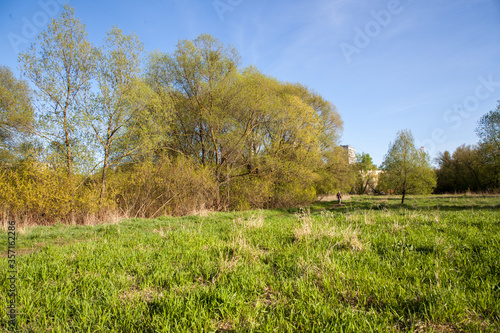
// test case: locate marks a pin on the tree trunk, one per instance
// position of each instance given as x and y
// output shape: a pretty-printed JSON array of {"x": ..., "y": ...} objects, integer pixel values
[
  {"x": 103, "y": 181},
  {"x": 403, "y": 199},
  {"x": 67, "y": 141},
  {"x": 69, "y": 164}
]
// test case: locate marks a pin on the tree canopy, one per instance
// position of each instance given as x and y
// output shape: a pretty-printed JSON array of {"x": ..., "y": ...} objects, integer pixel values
[
  {"x": 365, "y": 177},
  {"x": 488, "y": 130},
  {"x": 406, "y": 169},
  {"x": 60, "y": 65},
  {"x": 16, "y": 111}
]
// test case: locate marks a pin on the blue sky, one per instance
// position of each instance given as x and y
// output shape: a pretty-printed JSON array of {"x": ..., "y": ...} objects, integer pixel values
[{"x": 429, "y": 66}]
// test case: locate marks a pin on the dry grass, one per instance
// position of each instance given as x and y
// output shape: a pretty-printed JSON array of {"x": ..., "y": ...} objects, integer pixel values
[
  {"x": 255, "y": 221},
  {"x": 397, "y": 227},
  {"x": 162, "y": 232},
  {"x": 90, "y": 219},
  {"x": 310, "y": 229},
  {"x": 147, "y": 294},
  {"x": 304, "y": 230},
  {"x": 246, "y": 250},
  {"x": 224, "y": 326},
  {"x": 201, "y": 211},
  {"x": 333, "y": 197},
  {"x": 369, "y": 217}
]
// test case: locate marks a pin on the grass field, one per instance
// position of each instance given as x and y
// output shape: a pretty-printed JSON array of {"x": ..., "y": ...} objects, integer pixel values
[{"x": 370, "y": 265}]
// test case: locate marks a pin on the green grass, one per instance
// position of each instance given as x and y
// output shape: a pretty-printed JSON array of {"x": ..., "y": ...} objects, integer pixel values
[{"x": 371, "y": 265}]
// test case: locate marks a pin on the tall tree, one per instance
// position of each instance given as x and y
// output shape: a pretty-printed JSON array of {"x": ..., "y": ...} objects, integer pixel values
[
  {"x": 60, "y": 65},
  {"x": 241, "y": 123},
  {"x": 335, "y": 173},
  {"x": 407, "y": 170},
  {"x": 200, "y": 78},
  {"x": 120, "y": 101},
  {"x": 16, "y": 112}
]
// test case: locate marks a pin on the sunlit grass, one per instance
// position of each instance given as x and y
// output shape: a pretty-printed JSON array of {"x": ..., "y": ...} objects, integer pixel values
[{"x": 431, "y": 265}]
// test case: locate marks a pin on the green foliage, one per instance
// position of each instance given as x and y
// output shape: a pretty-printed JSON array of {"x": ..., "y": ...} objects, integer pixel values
[
  {"x": 244, "y": 139},
  {"x": 488, "y": 128},
  {"x": 465, "y": 170},
  {"x": 335, "y": 174},
  {"x": 242, "y": 124},
  {"x": 251, "y": 191},
  {"x": 163, "y": 187},
  {"x": 120, "y": 97},
  {"x": 371, "y": 266},
  {"x": 366, "y": 179},
  {"x": 473, "y": 168},
  {"x": 406, "y": 170},
  {"x": 35, "y": 193},
  {"x": 489, "y": 131},
  {"x": 16, "y": 112},
  {"x": 60, "y": 65}
]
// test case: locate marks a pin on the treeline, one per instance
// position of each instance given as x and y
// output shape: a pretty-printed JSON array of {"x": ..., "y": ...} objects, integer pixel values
[
  {"x": 112, "y": 131},
  {"x": 91, "y": 132},
  {"x": 473, "y": 168}
]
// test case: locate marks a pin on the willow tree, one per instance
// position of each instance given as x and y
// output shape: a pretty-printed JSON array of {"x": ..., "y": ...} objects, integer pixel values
[
  {"x": 239, "y": 122},
  {"x": 406, "y": 169},
  {"x": 60, "y": 64},
  {"x": 200, "y": 80}
]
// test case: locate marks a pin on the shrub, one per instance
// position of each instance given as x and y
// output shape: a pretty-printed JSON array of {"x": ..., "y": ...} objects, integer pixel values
[{"x": 163, "y": 187}]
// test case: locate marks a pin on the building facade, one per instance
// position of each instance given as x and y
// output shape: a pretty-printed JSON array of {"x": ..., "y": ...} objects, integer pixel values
[{"x": 351, "y": 153}]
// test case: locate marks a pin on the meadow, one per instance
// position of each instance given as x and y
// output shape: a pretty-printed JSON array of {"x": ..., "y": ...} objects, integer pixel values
[{"x": 370, "y": 265}]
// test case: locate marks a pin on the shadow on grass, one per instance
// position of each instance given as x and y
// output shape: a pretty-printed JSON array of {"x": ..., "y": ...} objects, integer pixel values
[{"x": 412, "y": 204}]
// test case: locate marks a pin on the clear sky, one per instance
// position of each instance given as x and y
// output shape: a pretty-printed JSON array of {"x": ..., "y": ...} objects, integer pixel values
[{"x": 429, "y": 66}]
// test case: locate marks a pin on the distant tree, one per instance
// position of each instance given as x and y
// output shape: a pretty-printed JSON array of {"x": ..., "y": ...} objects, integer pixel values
[
  {"x": 16, "y": 112},
  {"x": 364, "y": 168},
  {"x": 60, "y": 65},
  {"x": 467, "y": 169},
  {"x": 488, "y": 130},
  {"x": 335, "y": 174},
  {"x": 446, "y": 175},
  {"x": 407, "y": 170}
]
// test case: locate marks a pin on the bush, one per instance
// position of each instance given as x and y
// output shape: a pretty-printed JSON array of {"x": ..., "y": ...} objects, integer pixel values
[
  {"x": 36, "y": 194},
  {"x": 251, "y": 192},
  {"x": 163, "y": 187}
]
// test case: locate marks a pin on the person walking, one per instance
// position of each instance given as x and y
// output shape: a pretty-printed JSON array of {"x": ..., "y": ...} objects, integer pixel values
[{"x": 339, "y": 197}]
